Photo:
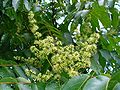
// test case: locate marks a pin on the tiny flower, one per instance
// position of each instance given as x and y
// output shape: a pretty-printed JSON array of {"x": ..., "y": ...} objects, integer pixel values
[{"x": 30, "y": 15}]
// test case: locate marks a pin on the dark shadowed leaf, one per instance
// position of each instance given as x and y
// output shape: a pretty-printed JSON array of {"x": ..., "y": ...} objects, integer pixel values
[
  {"x": 7, "y": 62},
  {"x": 41, "y": 85},
  {"x": 114, "y": 80},
  {"x": 10, "y": 13},
  {"x": 94, "y": 22},
  {"x": 95, "y": 65}
]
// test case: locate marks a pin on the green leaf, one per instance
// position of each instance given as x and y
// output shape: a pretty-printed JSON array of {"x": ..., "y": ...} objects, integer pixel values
[
  {"x": 101, "y": 14},
  {"x": 104, "y": 42},
  {"x": 74, "y": 1},
  {"x": 73, "y": 27},
  {"x": 115, "y": 56},
  {"x": 117, "y": 87},
  {"x": 15, "y": 4},
  {"x": 10, "y": 13},
  {"x": 95, "y": 65},
  {"x": 8, "y": 80},
  {"x": 81, "y": 13},
  {"x": 102, "y": 61},
  {"x": 105, "y": 54},
  {"x": 70, "y": 7},
  {"x": 19, "y": 71},
  {"x": 34, "y": 86},
  {"x": 114, "y": 80},
  {"x": 23, "y": 80},
  {"x": 97, "y": 83},
  {"x": 7, "y": 62},
  {"x": 24, "y": 87},
  {"x": 67, "y": 38},
  {"x": 41, "y": 85},
  {"x": 5, "y": 72},
  {"x": 52, "y": 86},
  {"x": 27, "y": 5},
  {"x": 5, "y": 3},
  {"x": 94, "y": 22},
  {"x": 111, "y": 3},
  {"x": 5, "y": 87},
  {"x": 115, "y": 19},
  {"x": 76, "y": 83}
]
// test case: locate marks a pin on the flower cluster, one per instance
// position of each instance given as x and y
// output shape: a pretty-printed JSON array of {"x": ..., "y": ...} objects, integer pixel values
[
  {"x": 43, "y": 48},
  {"x": 68, "y": 59},
  {"x": 39, "y": 77},
  {"x": 32, "y": 22},
  {"x": 32, "y": 61}
]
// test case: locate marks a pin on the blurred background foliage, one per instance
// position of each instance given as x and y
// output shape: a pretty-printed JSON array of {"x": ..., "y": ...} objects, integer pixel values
[{"x": 59, "y": 18}]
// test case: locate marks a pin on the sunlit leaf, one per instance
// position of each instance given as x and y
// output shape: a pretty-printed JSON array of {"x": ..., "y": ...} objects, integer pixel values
[
  {"x": 115, "y": 20},
  {"x": 5, "y": 87},
  {"x": 117, "y": 87},
  {"x": 27, "y": 5},
  {"x": 101, "y": 14},
  {"x": 52, "y": 86},
  {"x": 24, "y": 87},
  {"x": 97, "y": 83},
  {"x": 23, "y": 80},
  {"x": 8, "y": 80},
  {"x": 76, "y": 83},
  {"x": 15, "y": 4}
]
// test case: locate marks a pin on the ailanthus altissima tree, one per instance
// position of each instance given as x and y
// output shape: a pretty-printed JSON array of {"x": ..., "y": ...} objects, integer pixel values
[{"x": 59, "y": 45}]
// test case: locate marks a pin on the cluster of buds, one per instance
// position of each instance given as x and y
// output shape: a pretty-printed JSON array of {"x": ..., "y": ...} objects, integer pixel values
[
  {"x": 39, "y": 77},
  {"x": 32, "y": 22},
  {"x": 32, "y": 61}
]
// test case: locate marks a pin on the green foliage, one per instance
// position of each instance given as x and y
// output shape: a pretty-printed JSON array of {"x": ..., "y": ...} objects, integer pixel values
[
  {"x": 69, "y": 22},
  {"x": 76, "y": 83}
]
